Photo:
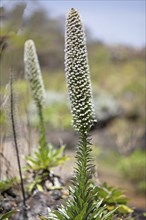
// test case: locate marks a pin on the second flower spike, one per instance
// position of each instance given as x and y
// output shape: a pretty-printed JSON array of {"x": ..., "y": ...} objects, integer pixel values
[{"x": 33, "y": 72}]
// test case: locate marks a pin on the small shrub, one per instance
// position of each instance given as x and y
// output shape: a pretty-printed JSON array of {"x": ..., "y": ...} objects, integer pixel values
[
  {"x": 7, "y": 184},
  {"x": 113, "y": 198},
  {"x": 7, "y": 215},
  {"x": 42, "y": 163},
  {"x": 132, "y": 168}
]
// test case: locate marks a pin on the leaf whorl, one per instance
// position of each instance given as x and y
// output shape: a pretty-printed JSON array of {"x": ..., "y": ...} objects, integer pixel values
[{"x": 77, "y": 74}]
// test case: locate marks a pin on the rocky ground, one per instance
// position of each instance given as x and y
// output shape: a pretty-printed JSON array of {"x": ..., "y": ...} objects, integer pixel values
[{"x": 40, "y": 202}]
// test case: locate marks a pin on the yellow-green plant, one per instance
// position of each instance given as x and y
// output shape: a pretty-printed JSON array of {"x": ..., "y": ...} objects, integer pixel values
[
  {"x": 7, "y": 184},
  {"x": 113, "y": 198},
  {"x": 81, "y": 204},
  {"x": 7, "y": 215},
  {"x": 54, "y": 157}
]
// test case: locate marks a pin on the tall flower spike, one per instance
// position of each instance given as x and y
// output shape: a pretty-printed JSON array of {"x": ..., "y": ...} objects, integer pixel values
[
  {"x": 77, "y": 74},
  {"x": 82, "y": 203},
  {"x": 33, "y": 72}
]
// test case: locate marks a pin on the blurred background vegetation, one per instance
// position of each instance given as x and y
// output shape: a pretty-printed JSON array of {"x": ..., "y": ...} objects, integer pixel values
[{"x": 118, "y": 80}]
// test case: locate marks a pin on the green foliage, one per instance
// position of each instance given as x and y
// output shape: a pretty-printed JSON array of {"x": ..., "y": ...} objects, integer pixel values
[
  {"x": 7, "y": 215},
  {"x": 132, "y": 168},
  {"x": 113, "y": 198},
  {"x": 42, "y": 162},
  {"x": 47, "y": 158},
  {"x": 82, "y": 203},
  {"x": 7, "y": 184},
  {"x": 99, "y": 213}
]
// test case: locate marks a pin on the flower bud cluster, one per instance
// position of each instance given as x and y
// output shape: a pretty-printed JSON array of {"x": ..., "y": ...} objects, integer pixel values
[
  {"x": 33, "y": 72},
  {"x": 77, "y": 74}
]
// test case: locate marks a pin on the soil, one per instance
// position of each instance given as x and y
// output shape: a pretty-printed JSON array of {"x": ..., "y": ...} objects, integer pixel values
[{"x": 38, "y": 203}]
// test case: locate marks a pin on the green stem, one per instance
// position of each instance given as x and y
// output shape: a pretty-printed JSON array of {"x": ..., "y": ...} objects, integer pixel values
[{"x": 42, "y": 140}]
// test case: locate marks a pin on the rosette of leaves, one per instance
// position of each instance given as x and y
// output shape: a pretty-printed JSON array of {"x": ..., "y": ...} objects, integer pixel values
[
  {"x": 41, "y": 164},
  {"x": 113, "y": 198},
  {"x": 81, "y": 204}
]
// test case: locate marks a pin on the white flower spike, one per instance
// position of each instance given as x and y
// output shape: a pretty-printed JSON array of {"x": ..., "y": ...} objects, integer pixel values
[
  {"x": 77, "y": 74},
  {"x": 33, "y": 72}
]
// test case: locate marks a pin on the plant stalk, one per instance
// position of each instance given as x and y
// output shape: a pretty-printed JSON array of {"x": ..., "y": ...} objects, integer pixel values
[
  {"x": 42, "y": 141},
  {"x": 15, "y": 140}
]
